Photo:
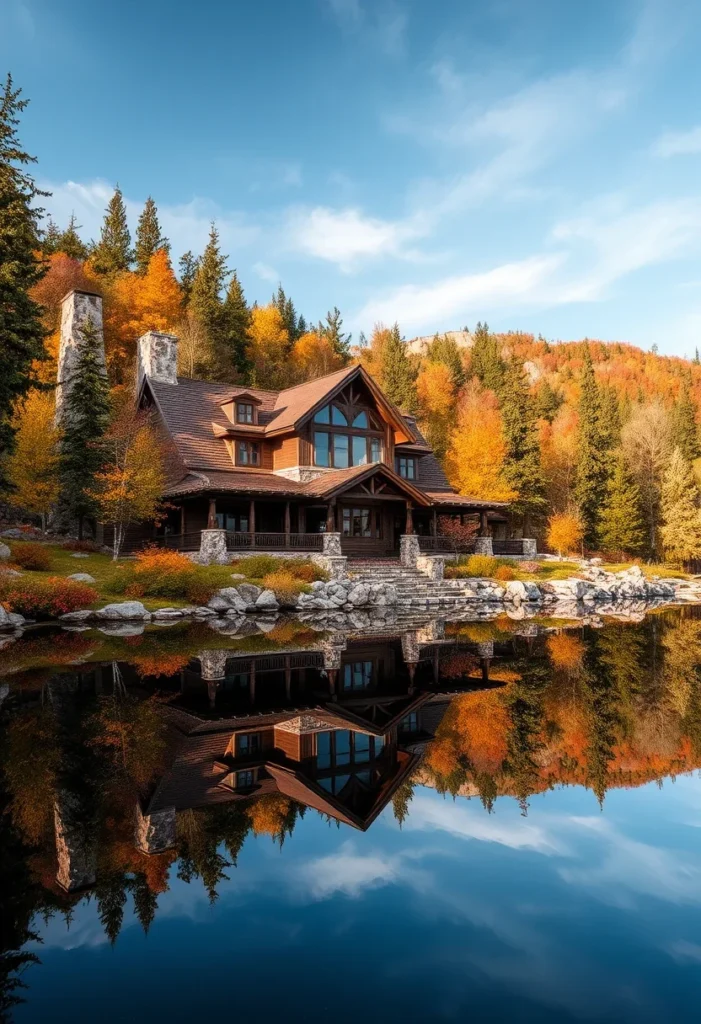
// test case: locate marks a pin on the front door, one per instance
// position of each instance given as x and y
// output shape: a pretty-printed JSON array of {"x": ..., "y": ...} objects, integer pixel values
[{"x": 363, "y": 529}]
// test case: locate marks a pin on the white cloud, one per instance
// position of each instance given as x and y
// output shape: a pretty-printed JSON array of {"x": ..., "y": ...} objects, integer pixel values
[
  {"x": 678, "y": 143},
  {"x": 347, "y": 872},
  {"x": 266, "y": 272},
  {"x": 686, "y": 952},
  {"x": 347, "y": 236}
]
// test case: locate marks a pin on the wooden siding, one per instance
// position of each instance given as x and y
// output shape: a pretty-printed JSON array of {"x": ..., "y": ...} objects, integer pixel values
[
  {"x": 289, "y": 743},
  {"x": 285, "y": 453}
]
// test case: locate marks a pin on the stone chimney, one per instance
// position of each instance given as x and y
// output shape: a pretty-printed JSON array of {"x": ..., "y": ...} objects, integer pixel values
[
  {"x": 157, "y": 358},
  {"x": 76, "y": 308}
]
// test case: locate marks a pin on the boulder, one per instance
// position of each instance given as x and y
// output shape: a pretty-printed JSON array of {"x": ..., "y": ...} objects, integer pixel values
[
  {"x": 203, "y": 613},
  {"x": 225, "y": 599},
  {"x": 5, "y": 552},
  {"x": 266, "y": 622},
  {"x": 249, "y": 592},
  {"x": 238, "y": 576},
  {"x": 11, "y": 572},
  {"x": 124, "y": 628},
  {"x": 4, "y": 617},
  {"x": 167, "y": 614},
  {"x": 126, "y": 611},
  {"x": 358, "y": 595},
  {"x": 16, "y": 619},
  {"x": 79, "y": 554},
  {"x": 81, "y": 577},
  {"x": 80, "y": 616},
  {"x": 267, "y": 601}
]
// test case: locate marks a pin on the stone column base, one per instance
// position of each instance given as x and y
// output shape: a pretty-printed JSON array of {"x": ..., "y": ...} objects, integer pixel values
[
  {"x": 432, "y": 566},
  {"x": 483, "y": 546},
  {"x": 155, "y": 833},
  {"x": 409, "y": 550},
  {"x": 331, "y": 544},
  {"x": 530, "y": 548},
  {"x": 213, "y": 548}
]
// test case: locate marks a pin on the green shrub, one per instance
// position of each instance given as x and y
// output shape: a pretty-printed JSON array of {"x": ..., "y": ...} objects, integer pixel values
[
  {"x": 255, "y": 567},
  {"x": 44, "y": 597},
  {"x": 32, "y": 556}
]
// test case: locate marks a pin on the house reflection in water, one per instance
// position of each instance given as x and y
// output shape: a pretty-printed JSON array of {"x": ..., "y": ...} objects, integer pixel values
[{"x": 337, "y": 729}]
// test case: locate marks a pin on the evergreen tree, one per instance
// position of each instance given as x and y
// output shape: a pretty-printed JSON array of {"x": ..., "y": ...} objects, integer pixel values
[
  {"x": 331, "y": 329},
  {"x": 230, "y": 350},
  {"x": 50, "y": 242},
  {"x": 205, "y": 303},
  {"x": 486, "y": 361},
  {"x": 522, "y": 466},
  {"x": 547, "y": 402},
  {"x": 591, "y": 459},
  {"x": 301, "y": 326},
  {"x": 681, "y": 532},
  {"x": 145, "y": 901},
  {"x": 21, "y": 330},
  {"x": 445, "y": 350},
  {"x": 403, "y": 796},
  {"x": 685, "y": 435},
  {"x": 148, "y": 237},
  {"x": 621, "y": 528},
  {"x": 85, "y": 417},
  {"x": 609, "y": 418},
  {"x": 287, "y": 311},
  {"x": 601, "y": 701},
  {"x": 397, "y": 375},
  {"x": 188, "y": 265},
  {"x": 113, "y": 252}
]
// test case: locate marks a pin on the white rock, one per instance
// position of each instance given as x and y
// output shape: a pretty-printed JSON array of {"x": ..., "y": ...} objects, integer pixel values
[
  {"x": 81, "y": 577},
  {"x": 225, "y": 599},
  {"x": 79, "y": 554},
  {"x": 4, "y": 617},
  {"x": 5, "y": 552},
  {"x": 16, "y": 619},
  {"x": 81, "y": 616},
  {"x": 167, "y": 614},
  {"x": 124, "y": 610},
  {"x": 122, "y": 629},
  {"x": 267, "y": 601},
  {"x": 238, "y": 576},
  {"x": 358, "y": 595},
  {"x": 249, "y": 592}
]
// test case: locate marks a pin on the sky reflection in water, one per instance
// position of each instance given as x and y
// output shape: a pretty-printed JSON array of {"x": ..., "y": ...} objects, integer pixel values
[{"x": 568, "y": 912}]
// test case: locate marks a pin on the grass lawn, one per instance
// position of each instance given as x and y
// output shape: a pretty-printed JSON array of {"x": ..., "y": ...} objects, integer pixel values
[{"x": 103, "y": 569}]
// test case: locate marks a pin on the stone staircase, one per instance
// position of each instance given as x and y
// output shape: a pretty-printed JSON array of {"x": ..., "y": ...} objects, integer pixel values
[{"x": 415, "y": 592}]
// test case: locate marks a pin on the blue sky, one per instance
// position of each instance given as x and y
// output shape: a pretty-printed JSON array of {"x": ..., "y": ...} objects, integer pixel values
[{"x": 535, "y": 164}]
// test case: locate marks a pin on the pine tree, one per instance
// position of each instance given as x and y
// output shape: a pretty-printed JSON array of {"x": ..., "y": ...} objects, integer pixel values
[
  {"x": 331, "y": 330},
  {"x": 522, "y": 467},
  {"x": 71, "y": 243},
  {"x": 681, "y": 532},
  {"x": 591, "y": 462},
  {"x": 148, "y": 237},
  {"x": 286, "y": 308},
  {"x": 21, "y": 330},
  {"x": 85, "y": 418},
  {"x": 621, "y": 528},
  {"x": 188, "y": 265},
  {"x": 205, "y": 303},
  {"x": 397, "y": 375},
  {"x": 445, "y": 350},
  {"x": 230, "y": 353},
  {"x": 486, "y": 362},
  {"x": 113, "y": 252},
  {"x": 547, "y": 402},
  {"x": 301, "y": 326},
  {"x": 685, "y": 435},
  {"x": 51, "y": 238}
]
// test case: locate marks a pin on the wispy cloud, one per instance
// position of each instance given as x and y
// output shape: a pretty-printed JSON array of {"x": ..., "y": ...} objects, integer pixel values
[
  {"x": 383, "y": 23},
  {"x": 678, "y": 143},
  {"x": 266, "y": 272}
]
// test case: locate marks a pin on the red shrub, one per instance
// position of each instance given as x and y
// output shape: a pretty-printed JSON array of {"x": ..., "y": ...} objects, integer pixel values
[
  {"x": 45, "y": 598},
  {"x": 28, "y": 555},
  {"x": 80, "y": 545}
]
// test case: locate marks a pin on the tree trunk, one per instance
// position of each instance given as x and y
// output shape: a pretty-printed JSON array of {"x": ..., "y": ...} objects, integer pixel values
[{"x": 118, "y": 538}]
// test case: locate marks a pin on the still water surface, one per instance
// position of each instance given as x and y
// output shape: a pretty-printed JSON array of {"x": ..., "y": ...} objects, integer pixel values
[{"x": 449, "y": 821}]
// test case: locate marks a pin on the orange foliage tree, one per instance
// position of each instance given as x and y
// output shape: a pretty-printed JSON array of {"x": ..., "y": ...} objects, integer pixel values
[
  {"x": 475, "y": 458},
  {"x": 565, "y": 532},
  {"x": 313, "y": 356}
]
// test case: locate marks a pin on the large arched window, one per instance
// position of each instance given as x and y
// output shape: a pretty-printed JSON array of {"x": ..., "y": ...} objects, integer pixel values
[{"x": 358, "y": 445}]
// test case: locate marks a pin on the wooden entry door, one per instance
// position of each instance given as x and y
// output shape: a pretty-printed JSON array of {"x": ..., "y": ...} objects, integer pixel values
[{"x": 365, "y": 529}]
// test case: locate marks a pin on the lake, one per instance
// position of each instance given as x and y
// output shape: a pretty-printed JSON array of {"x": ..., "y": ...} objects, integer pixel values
[{"x": 426, "y": 820}]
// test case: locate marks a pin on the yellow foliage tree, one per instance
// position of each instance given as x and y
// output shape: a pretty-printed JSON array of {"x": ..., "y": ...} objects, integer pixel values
[
  {"x": 32, "y": 469},
  {"x": 268, "y": 814},
  {"x": 131, "y": 482},
  {"x": 566, "y": 651},
  {"x": 565, "y": 532},
  {"x": 475, "y": 457},
  {"x": 269, "y": 347},
  {"x": 314, "y": 356}
]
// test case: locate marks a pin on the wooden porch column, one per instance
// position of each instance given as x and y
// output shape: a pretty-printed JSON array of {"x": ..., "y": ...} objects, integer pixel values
[
  {"x": 182, "y": 519},
  {"x": 434, "y": 523},
  {"x": 331, "y": 517},
  {"x": 287, "y": 524},
  {"x": 409, "y": 528},
  {"x": 483, "y": 524},
  {"x": 212, "y": 518},
  {"x": 302, "y": 513},
  {"x": 252, "y": 519}
]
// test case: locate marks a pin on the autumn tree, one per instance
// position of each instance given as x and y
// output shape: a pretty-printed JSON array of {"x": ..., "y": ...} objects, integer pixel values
[
  {"x": 477, "y": 453},
  {"x": 21, "y": 328},
  {"x": 313, "y": 355},
  {"x": 148, "y": 237},
  {"x": 32, "y": 469},
  {"x": 558, "y": 449},
  {"x": 591, "y": 446},
  {"x": 396, "y": 372},
  {"x": 681, "y": 515},
  {"x": 268, "y": 348},
  {"x": 85, "y": 418},
  {"x": 565, "y": 532},
  {"x": 113, "y": 252},
  {"x": 131, "y": 480},
  {"x": 620, "y": 527},
  {"x": 646, "y": 441},
  {"x": 436, "y": 394}
]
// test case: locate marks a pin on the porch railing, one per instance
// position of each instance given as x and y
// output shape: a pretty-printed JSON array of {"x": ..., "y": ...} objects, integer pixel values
[
  {"x": 178, "y": 541},
  {"x": 507, "y": 547},
  {"x": 274, "y": 541}
]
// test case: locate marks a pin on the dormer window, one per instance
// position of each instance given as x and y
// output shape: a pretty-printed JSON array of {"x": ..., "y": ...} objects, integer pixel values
[
  {"x": 247, "y": 453},
  {"x": 406, "y": 466},
  {"x": 244, "y": 412}
]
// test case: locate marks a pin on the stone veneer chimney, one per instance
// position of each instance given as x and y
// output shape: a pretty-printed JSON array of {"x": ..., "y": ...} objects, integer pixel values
[
  {"x": 76, "y": 308},
  {"x": 157, "y": 358}
]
